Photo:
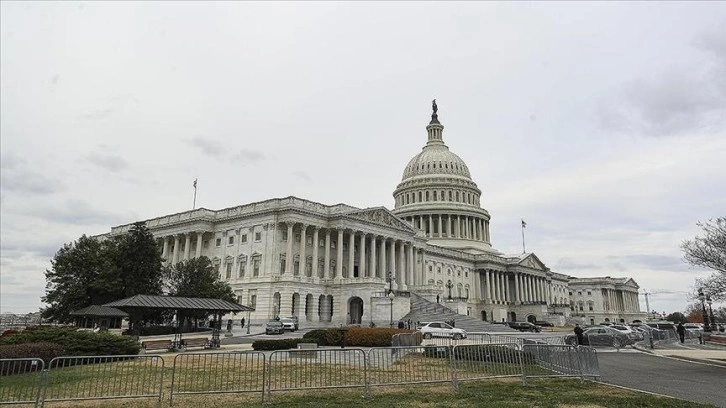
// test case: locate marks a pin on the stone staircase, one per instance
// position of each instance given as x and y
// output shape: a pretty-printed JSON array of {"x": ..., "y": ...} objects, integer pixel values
[{"x": 423, "y": 310}]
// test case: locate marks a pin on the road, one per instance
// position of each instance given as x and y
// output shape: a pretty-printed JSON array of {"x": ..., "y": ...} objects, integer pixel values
[{"x": 689, "y": 381}]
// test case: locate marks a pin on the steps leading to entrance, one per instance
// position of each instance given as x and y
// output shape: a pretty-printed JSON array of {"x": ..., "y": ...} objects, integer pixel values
[{"x": 423, "y": 310}]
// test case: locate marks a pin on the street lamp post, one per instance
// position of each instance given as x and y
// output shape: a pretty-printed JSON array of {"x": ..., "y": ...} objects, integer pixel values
[
  {"x": 391, "y": 295},
  {"x": 702, "y": 298},
  {"x": 714, "y": 326},
  {"x": 449, "y": 285}
]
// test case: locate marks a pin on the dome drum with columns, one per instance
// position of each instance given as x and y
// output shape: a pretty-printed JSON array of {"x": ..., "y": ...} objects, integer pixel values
[
  {"x": 438, "y": 196},
  {"x": 335, "y": 264}
]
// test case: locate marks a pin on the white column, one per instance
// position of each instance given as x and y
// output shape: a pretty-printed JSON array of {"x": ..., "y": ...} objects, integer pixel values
[
  {"x": 187, "y": 245},
  {"x": 362, "y": 256},
  {"x": 440, "y": 225},
  {"x": 488, "y": 282},
  {"x": 165, "y": 251},
  {"x": 303, "y": 247},
  {"x": 401, "y": 269},
  {"x": 392, "y": 261},
  {"x": 289, "y": 260},
  {"x": 326, "y": 266},
  {"x": 199, "y": 244},
  {"x": 516, "y": 288},
  {"x": 477, "y": 283},
  {"x": 507, "y": 294},
  {"x": 372, "y": 272},
  {"x": 409, "y": 268},
  {"x": 384, "y": 261},
  {"x": 431, "y": 226},
  {"x": 175, "y": 255},
  {"x": 316, "y": 244},
  {"x": 351, "y": 253},
  {"x": 339, "y": 260}
]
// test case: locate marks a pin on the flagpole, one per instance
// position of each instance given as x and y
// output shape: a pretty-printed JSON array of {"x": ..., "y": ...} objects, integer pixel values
[
  {"x": 524, "y": 250},
  {"x": 194, "y": 204}
]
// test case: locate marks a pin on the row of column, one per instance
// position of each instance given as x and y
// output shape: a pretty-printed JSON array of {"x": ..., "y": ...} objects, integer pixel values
[
  {"x": 376, "y": 257},
  {"x": 176, "y": 255},
  {"x": 452, "y": 226},
  {"x": 618, "y": 300},
  {"x": 527, "y": 288}
]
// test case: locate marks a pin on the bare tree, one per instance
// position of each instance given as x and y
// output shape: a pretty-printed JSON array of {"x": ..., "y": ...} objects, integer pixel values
[{"x": 709, "y": 251}]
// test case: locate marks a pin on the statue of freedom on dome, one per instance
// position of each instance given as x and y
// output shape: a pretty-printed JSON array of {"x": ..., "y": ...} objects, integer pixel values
[{"x": 434, "y": 107}]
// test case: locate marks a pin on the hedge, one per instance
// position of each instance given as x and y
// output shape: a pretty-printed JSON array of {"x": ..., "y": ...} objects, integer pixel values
[
  {"x": 43, "y": 351},
  {"x": 484, "y": 353},
  {"x": 76, "y": 343},
  {"x": 280, "y": 344}
]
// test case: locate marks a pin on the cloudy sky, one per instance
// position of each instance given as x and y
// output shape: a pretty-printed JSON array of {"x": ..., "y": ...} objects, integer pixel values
[{"x": 601, "y": 124}]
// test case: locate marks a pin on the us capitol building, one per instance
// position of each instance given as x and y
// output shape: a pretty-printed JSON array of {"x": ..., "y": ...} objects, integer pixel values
[{"x": 338, "y": 264}]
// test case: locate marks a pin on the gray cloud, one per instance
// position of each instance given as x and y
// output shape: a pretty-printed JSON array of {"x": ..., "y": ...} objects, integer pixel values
[
  {"x": 679, "y": 99},
  {"x": 98, "y": 114},
  {"x": 301, "y": 175},
  {"x": 570, "y": 264},
  {"x": 248, "y": 156},
  {"x": 655, "y": 262},
  {"x": 109, "y": 161},
  {"x": 209, "y": 147},
  {"x": 19, "y": 177},
  {"x": 75, "y": 212}
]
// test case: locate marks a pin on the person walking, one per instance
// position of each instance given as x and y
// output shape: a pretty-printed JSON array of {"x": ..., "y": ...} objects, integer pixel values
[
  {"x": 681, "y": 330},
  {"x": 243, "y": 322},
  {"x": 579, "y": 333}
]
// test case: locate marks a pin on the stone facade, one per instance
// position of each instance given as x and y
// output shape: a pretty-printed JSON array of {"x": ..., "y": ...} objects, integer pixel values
[
  {"x": 604, "y": 299},
  {"x": 335, "y": 264}
]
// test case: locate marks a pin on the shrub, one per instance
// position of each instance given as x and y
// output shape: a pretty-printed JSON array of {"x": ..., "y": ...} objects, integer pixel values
[
  {"x": 10, "y": 332},
  {"x": 484, "y": 353},
  {"x": 43, "y": 351},
  {"x": 372, "y": 337},
  {"x": 77, "y": 343},
  {"x": 280, "y": 344},
  {"x": 325, "y": 337}
]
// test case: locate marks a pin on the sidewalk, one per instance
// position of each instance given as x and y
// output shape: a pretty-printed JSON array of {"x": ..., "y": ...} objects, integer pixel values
[{"x": 714, "y": 356}]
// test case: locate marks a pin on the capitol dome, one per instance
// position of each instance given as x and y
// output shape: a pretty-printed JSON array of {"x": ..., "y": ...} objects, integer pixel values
[{"x": 438, "y": 196}]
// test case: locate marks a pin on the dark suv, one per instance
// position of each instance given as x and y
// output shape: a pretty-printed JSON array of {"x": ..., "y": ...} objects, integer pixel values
[{"x": 525, "y": 327}]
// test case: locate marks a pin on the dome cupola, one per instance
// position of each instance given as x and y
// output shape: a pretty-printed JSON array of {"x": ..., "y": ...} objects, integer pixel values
[{"x": 438, "y": 196}]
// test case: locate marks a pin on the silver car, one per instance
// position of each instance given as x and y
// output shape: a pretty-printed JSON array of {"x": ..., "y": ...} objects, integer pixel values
[{"x": 441, "y": 329}]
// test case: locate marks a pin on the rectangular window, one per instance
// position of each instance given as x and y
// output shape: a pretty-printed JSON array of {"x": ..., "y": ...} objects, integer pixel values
[
  {"x": 282, "y": 266},
  {"x": 243, "y": 238},
  {"x": 297, "y": 238},
  {"x": 345, "y": 247},
  {"x": 242, "y": 267},
  {"x": 579, "y": 293},
  {"x": 589, "y": 293},
  {"x": 310, "y": 240},
  {"x": 256, "y": 267},
  {"x": 284, "y": 235},
  {"x": 589, "y": 306},
  {"x": 321, "y": 244},
  {"x": 253, "y": 301},
  {"x": 229, "y": 271},
  {"x": 332, "y": 244},
  {"x": 218, "y": 242},
  {"x": 258, "y": 236},
  {"x": 205, "y": 243},
  {"x": 230, "y": 240}
]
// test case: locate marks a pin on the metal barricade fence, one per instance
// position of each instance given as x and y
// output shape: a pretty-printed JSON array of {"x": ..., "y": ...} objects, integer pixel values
[
  {"x": 542, "y": 360},
  {"x": 390, "y": 366},
  {"x": 480, "y": 361},
  {"x": 21, "y": 380},
  {"x": 205, "y": 373},
  {"x": 589, "y": 366},
  {"x": 103, "y": 377},
  {"x": 316, "y": 369}
]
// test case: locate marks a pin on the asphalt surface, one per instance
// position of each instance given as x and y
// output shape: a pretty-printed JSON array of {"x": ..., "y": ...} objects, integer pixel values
[{"x": 685, "y": 380}]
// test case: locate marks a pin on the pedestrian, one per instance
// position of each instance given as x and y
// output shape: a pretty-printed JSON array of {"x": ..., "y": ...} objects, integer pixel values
[
  {"x": 681, "y": 332},
  {"x": 579, "y": 333},
  {"x": 229, "y": 325},
  {"x": 243, "y": 322},
  {"x": 438, "y": 298},
  {"x": 400, "y": 324}
]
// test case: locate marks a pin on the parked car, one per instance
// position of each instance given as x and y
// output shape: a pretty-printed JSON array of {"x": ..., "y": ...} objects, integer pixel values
[
  {"x": 294, "y": 319},
  {"x": 525, "y": 327},
  {"x": 274, "y": 327},
  {"x": 441, "y": 329},
  {"x": 601, "y": 336},
  {"x": 288, "y": 324},
  {"x": 544, "y": 324}
]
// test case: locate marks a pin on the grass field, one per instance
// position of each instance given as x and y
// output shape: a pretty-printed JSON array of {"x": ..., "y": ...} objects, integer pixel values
[{"x": 243, "y": 377}]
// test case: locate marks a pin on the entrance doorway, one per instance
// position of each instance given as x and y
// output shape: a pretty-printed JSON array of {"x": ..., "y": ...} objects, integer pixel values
[
  {"x": 531, "y": 318},
  {"x": 355, "y": 310}
]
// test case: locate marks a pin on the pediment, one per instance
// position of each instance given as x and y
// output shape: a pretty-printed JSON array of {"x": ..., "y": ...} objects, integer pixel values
[
  {"x": 381, "y": 216},
  {"x": 531, "y": 261}
]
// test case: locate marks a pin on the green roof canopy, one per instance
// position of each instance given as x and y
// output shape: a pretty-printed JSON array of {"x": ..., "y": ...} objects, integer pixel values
[
  {"x": 178, "y": 303},
  {"x": 99, "y": 311}
]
